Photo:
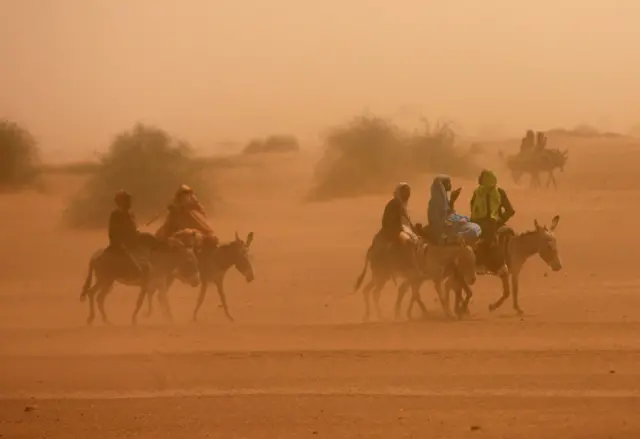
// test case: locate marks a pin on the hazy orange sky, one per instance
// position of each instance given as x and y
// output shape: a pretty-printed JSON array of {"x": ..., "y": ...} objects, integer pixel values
[{"x": 78, "y": 71}]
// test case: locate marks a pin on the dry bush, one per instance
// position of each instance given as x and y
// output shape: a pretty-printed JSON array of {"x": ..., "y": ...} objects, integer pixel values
[
  {"x": 369, "y": 154},
  {"x": 433, "y": 150},
  {"x": 146, "y": 162},
  {"x": 360, "y": 157},
  {"x": 19, "y": 157},
  {"x": 272, "y": 144}
]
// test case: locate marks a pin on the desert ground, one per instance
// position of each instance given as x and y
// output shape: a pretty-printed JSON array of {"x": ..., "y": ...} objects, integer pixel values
[{"x": 298, "y": 361}]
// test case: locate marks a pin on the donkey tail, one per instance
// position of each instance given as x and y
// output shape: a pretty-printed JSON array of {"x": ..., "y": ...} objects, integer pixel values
[
  {"x": 364, "y": 271},
  {"x": 87, "y": 282}
]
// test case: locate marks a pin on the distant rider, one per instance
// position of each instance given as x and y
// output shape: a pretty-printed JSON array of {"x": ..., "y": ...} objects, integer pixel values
[{"x": 527, "y": 144}]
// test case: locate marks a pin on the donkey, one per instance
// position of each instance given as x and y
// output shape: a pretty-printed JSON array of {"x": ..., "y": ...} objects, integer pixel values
[
  {"x": 517, "y": 249},
  {"x": 548, "y": 160},
  {"x": 431, "y": 261},
  {"x": 213, "y": 264},
  {"x": 164, "y": 259},
  {"x": 441, "y": 265}
]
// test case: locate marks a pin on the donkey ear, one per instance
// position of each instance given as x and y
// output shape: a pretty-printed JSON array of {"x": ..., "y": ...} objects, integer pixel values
[
  {"x": 237, "y": 237},
  {"x": 536, "y": 224},
  {"x": 249, "y": 239},
  {"x": 554, "y": 222}
]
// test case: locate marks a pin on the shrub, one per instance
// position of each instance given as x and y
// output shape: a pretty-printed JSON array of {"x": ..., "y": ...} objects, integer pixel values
[
  {"x": 272, "y": 144},
  {"x": 433, "y": 150},
  {"x": 369, "y": 154},
  {"x": 19, "y": 157},
  {"x": 360, "y": 157},
  {"x": 146, "y": 162}
]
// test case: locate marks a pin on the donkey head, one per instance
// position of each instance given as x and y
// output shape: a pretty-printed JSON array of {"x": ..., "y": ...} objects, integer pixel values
[
  {"x": 547, "y": 244},
  {"x": 240, "y": 256}
]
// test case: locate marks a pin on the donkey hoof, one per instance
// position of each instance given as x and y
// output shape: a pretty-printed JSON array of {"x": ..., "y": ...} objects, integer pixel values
[{"x": 492, "y": 307}]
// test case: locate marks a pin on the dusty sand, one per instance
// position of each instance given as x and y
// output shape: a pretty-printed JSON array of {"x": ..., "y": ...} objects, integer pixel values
[{"x": 298, "y": 362}]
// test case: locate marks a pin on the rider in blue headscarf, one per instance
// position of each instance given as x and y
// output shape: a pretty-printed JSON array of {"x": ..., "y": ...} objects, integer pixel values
[{"x": 443, "y": 221}]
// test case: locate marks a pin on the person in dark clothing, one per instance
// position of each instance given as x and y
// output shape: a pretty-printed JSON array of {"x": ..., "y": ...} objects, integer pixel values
[
  {"x": 395, "y": 213},
  {"x": 490, "y": 209},
  {"x": 124, "y": 243},
  {"x": 397, "y": 229},
  {"x": 541, "y": 141},
  {"x": 527, "y": 144}
]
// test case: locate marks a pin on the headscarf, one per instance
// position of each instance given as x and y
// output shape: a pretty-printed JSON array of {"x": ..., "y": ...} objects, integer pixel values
[
  {"x": 439, "y": 202},
  {"x": 486, "y": 199},
  {"x": 191, "y": 203},
  {"x": 396, "y": 193},
  {"x": 122, "y": 197},
  {"x": 488, "y": 179}
]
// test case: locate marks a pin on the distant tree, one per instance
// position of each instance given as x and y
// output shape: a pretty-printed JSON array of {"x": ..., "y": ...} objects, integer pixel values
[
  {"x": 149, "y": 164},
  {"x": 19, "y": 157}
]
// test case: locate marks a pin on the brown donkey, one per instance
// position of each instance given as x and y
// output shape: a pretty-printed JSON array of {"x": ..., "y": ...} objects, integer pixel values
[
  {"x": 214, "y": 264},
  {"x": 431, "y": 264},
  {"x": 518, "y": 249}
]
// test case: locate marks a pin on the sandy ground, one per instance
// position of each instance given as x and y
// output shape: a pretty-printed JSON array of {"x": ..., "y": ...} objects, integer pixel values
[{"x": 298, "y": 362}]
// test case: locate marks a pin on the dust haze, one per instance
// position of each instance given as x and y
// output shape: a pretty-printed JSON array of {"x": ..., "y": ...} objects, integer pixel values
[
  {"x": 77, "y": 72},
  {"x": 298, "y": 360}
]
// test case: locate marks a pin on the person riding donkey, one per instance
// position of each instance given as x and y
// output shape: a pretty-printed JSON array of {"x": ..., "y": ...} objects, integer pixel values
[
  {"x": 443, "y": 221},
  {"x": 125, "y": 246},
  {"x": 490, "y": 209},
  {"x": 541, "y": 141},
  {"x": 527, "y": 143},
  {"x": 397, "y": 230},
  {"x": 186, "y": 212}
]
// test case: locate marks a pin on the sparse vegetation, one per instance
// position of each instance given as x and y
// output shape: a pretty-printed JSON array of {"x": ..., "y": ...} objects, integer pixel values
[
  {"x": 433, "y": 150},
  {"x": 148, "y": 163},
  {"x": 584, "y": 131},
  {"x": 19, "y": 157},
  {"x": 369, "y": 153},
  {"x": 272, "y": 144}
]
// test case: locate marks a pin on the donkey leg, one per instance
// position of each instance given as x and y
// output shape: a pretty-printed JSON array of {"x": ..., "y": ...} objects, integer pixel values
[
  {"x": 150, "y": 294},
  {"x": 413, "y": 300},
  {"x": 163, "y": 297},
  {"x": 415, "y": 297},
  {"x": 445, "y": 294},
  {"x": 102, "y": 295},
  {"x": 141, "y": 296},
  {"x": 164, "y": 302},
  {"x": 458, "y": 306},
  {"x": 462, "y": 305},
  {"x": 449, "y": 285},
  {"x": 515, "y": 280},
  {"x": 505, "y": 293},
  {"x": 223, "y": 299},
  {"x": 201, "y": 295},
  {"x": 468, "y": 296},
  {"x": 91, "y": 294},
  {"x": 402, "y": 290},
  {"x": 376, "y": 299},
  {"x": 366, "y": 295}
]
